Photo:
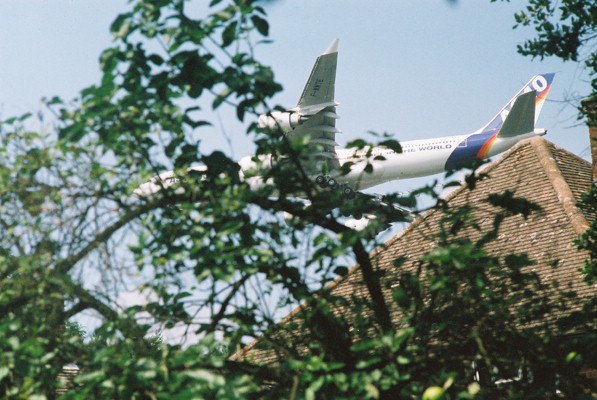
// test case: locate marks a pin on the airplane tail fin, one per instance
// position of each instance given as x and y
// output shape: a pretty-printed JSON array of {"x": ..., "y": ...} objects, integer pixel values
[
  {"x": 521, "y": 118},
  {"x": 540, "y": 84}
]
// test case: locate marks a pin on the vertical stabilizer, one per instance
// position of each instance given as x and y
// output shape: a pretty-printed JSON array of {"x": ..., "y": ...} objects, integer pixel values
[
  {"x": 538, "y": 83},
  {"x": 521, "y": 118}
]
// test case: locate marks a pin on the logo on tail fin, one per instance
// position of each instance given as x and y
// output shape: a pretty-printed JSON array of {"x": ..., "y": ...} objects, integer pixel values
[
  {"x": 478, "y": 145},
  {"x": 539, "y": 83}
]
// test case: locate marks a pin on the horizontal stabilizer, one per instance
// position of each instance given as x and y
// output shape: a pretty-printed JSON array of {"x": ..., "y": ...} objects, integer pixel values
[{"x": 521, "y": 118}]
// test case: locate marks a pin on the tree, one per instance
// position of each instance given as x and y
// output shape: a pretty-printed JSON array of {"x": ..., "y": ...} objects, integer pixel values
[
  {"x": 565, "y": 30},
  {"x": 214, "y": 258}
]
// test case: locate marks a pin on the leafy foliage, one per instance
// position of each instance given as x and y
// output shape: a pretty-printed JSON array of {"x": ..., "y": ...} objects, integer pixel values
[
  {"x": 565, "y": 29},
  {"x": 588, "y": 241},
  {"x": 214, "y": 260}
]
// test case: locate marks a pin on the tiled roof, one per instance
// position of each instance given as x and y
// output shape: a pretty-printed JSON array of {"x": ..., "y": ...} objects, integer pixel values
[{"x": 536, "y": 170}]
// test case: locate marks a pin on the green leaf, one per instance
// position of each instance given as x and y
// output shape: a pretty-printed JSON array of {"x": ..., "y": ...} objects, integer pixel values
[
  {"x": 342, "y": 271},
  {"x": 221, "y": 97},
  {"x": 261, "y": 25},
  {"x": 229, "y": 33},
  {"x": 156, "y": 59},
  {"x": 392, "y": 144},
  {"x": 119, "y": 22},
  {"x": 121, "y": 27},
  {"x": 358, "y": 143},
  {"x": 372, "y": 391}
]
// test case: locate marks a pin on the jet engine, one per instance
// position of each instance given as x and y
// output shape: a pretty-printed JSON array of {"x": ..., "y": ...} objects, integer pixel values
[
  {"x": 359, "y": 224},
  {"x": 286, "y": 121}
]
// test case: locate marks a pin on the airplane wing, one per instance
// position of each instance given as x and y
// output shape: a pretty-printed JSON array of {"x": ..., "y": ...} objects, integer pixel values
[
  {"x": 319, "y": 90},
  {"x": 317, "y": 110}
]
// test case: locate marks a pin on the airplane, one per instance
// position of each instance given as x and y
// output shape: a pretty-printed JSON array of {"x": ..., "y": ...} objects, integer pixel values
[{"x": 350, "y": 170}]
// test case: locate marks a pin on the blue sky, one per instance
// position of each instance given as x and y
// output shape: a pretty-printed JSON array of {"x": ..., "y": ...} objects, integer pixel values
[{"x": 416, "y": 69}]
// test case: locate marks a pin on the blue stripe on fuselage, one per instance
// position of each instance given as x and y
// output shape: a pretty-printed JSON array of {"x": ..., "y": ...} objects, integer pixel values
[{"x": 468, "y": 149}]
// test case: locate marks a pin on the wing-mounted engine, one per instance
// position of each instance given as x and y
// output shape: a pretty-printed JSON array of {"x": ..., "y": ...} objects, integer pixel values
[{"x": 284, "y": 121}]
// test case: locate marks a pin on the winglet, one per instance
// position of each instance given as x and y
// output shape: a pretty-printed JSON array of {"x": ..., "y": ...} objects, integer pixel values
[
  {"x": 332, "y": 48},
  {"x": 521, "y": 118},
  {"x": 319, "y": 91}
]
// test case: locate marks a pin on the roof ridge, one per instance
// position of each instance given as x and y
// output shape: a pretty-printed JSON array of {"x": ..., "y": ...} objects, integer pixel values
[
  {"x": 567, "y": 152},
  {"x": 559, "y": 184}
]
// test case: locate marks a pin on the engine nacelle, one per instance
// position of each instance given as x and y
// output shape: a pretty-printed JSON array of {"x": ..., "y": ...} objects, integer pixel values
[
  {"x": 286, "y": 121},
  {"x": 359, "y": 224}
]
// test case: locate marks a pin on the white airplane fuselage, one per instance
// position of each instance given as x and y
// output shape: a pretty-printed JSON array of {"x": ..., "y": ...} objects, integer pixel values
[{"x": 420, "y": 158}]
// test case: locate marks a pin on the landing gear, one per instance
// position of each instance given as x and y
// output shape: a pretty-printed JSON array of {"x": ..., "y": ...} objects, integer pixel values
[
  {"x": 348, "y": 193},
  {"x": 321, "y": 181},
  {"x": 332, "y": 183}
]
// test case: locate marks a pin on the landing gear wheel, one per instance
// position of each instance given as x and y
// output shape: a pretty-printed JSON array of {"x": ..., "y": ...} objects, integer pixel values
[
  {"x": 348, "y": 193},
  {"x": 321, "y": 181},
  {"x": 332, "y": 183}
]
